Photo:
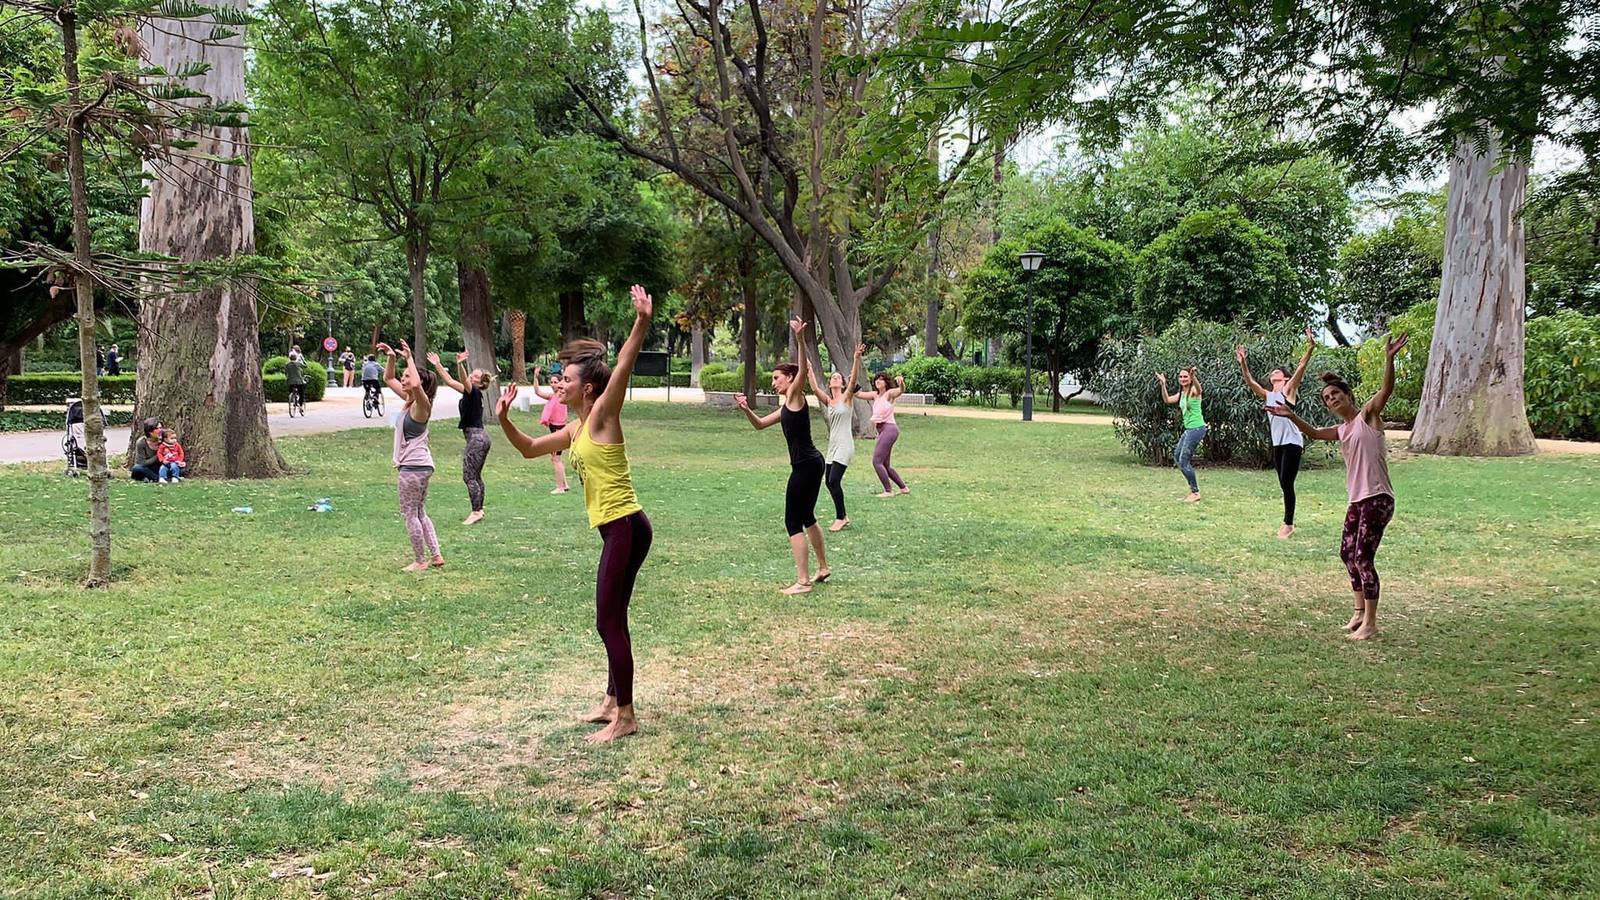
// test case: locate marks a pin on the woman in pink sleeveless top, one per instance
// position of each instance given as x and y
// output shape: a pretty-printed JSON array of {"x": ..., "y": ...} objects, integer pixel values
[
  {"x": 553, "y": 418},
  {"x": 413, "y": 461},
  {"x": 883, "y": 395},
  {"x": 1366, "y": 475}
]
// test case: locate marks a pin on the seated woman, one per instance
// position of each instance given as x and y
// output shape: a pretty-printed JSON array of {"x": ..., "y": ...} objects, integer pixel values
[{"x": 144, "y": 462}]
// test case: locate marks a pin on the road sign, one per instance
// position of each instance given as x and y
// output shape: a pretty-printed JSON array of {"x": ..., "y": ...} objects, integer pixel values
[{"x": 329, "y": 344}]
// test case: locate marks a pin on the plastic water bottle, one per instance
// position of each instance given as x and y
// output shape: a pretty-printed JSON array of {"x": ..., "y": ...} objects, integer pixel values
[{"x": 243, "y": 509}]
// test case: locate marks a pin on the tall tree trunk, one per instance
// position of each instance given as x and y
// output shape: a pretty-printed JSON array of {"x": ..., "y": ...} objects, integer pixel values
[
  {"x": 697, "y": 352},
  {"x": 477, "y": 317},
  {"x": 417, "y": 268},
  {"x": 930, "y": 325},
  {"x": 1332, "y": 321},
  {"x": 574, "y": 317},
  {"x": 518, "y": 320},
  {"x": 1472, "y": 402},
  {"x": 999, "y": 177},
  {"x": 99, "y": 574},
  {"x": 200, "y": 352},
  {"x": 750, "y": 320}
]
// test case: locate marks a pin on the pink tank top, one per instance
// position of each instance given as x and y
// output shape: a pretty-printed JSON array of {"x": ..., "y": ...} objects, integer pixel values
[
  {"x": 1366, "y": 460},
  {"x": 411, "y": 451},
  {"x": 882, "y": 410},
  {"x": 555, "y": 413}
]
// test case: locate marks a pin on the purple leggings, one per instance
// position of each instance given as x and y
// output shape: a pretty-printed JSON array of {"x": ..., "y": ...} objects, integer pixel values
[
  {"x": 888, "y": 433},
  {"x": 626, "y": 544},
  {"x": 1364, "y": 523},
  {"x": 413, "y": 497}
]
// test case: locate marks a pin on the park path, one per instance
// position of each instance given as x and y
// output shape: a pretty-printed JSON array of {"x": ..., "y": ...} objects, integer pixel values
[{"x": 340, "y": 410}]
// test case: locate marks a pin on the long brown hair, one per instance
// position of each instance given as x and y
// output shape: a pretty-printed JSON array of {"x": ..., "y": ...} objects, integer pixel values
[
  {"x": 888, "y": 383},
  {"x": 590, "y": 358},
  {"x": 1194, "y": 389}
]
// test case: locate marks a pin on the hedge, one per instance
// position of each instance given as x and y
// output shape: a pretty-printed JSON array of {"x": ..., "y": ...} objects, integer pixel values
[
  {"x": 46, "y": 388},
  {"x": 1562, "y": 373},
  {"x": 316, "y": 380},
  {"x": 1410, "y": 364},
  {"x": 19, "y": 420},
  {"x": 733, "y": 381},
  {"x": 679, "y": 379}
]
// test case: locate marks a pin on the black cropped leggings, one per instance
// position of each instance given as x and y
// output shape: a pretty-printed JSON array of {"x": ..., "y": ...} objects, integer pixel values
[
  {"x": 834, "y": 479},
  {"x": 1286, "y": 460},
  {"x": 800, "y": 498},
  {"x": 626, "y": 544}
]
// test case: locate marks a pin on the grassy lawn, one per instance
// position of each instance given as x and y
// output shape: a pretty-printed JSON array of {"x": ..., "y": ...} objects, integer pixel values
[{"x": 1039, "y": 675}]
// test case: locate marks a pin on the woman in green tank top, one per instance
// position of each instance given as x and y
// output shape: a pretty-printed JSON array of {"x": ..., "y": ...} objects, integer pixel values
[{"x": 1188, "y": 400}]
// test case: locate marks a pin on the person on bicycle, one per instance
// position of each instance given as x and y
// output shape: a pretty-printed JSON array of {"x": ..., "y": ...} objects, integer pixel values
[
  {"x": 294, "y": 371},
  {"x": 371, "y": 372}
]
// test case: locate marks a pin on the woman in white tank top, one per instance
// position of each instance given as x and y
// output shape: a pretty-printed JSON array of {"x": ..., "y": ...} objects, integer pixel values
[{"x": 1287, "y": 442}]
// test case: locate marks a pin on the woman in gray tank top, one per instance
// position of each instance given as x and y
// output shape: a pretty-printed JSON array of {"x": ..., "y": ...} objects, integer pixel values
[
  {"x": 1287, "y": 442},
  {"x": 412, "y": 459},
  {"x": 838, "y": 402}
]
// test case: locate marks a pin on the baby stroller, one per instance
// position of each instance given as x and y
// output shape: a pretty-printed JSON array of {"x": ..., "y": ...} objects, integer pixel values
[{"x": 74, "y": 442}]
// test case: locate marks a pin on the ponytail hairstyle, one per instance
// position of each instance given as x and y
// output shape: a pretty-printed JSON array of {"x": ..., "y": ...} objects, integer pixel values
[
  {"x": 1332, "y": 379},
  {"x": 430, "y": 382},
  {"x": 590, "y": 358}
]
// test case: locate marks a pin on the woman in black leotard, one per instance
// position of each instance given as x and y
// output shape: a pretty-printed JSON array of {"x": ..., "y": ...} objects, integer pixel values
[{"x": 805, "y": 465}]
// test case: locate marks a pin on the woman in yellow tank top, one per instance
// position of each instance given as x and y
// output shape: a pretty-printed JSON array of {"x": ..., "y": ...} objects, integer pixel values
[{"x": 594, "y": 392}]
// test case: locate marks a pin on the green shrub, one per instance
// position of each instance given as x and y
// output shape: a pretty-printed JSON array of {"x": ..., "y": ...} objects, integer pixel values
[
  {"x": 931, "y": 375},
  {"x": 18, "y": 420},
  {"x": 1127, "y": 387},
  {"x": 1562, "y": 373},
  {"x": 679, "y": 379},
  {"x": 48, "y": 389},
  {"x": 316, "y": 379},
  {"x": 712, "y": 369},
  {"x": 983, "y": 384},
  {"x": 1410, "y": 365}
]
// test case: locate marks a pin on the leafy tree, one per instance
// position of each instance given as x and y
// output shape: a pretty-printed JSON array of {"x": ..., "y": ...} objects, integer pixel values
[
  {"x": 1563, "y": 229},
  {"x": 1083, "y": 281},
  {"x": 1388, "y": 271},
  {"x": 405, "y": 109},
  {"x": 1217, "y": 266}
]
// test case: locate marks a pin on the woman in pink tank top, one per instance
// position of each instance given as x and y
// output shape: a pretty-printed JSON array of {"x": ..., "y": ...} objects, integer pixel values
[
  {"x": 883, "y": 395},
  {"x": 413, "y": 461},
  {"x": 1366, "y": 475},
  {"x": 554, "y": 418}
]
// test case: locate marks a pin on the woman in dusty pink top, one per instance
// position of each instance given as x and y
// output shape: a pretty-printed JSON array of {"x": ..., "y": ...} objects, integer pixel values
[{"x": 1366, "y": 476}]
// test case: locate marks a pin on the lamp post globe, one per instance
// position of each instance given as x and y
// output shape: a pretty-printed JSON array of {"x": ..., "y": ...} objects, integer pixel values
[{"x": 1031, "y": 261}]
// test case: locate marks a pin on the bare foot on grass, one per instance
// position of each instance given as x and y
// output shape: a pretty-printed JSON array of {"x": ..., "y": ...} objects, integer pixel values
[
  {"x": 885, "y": 494},
  {"x": 416, "y": 567},
  {"x": 1194, "y": 497},
  {"x": 1355, "y": 621},
  {"x": 436, "y": 563},
  {"x": 839, "y": 524},
  {"x": 799, "y": 587},
  {"x": 605, "y": 712},
  {"x": 1285, "y": 532},
  {"x": 475, "y": 517},
  {"x": 1364, "y": 633},
  {"x": 622, "y": 727}
]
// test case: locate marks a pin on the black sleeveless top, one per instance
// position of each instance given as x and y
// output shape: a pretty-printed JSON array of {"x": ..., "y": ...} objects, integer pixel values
[
  {"x": 471, "y": 409},
  {"x": 797, "y": 432}
]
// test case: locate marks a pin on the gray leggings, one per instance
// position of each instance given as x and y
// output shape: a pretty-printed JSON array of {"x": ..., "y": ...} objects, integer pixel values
[
  {"x": 1186, "y": 445},
  {"x": 472, "y": 460}
]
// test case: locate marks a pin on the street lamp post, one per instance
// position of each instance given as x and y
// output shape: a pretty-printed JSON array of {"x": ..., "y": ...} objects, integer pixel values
[
  {"x": 327, "y": 309},
  {"x": 1031, "y": 261}
]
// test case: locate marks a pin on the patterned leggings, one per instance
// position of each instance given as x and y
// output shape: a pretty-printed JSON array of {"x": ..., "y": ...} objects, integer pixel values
[
  {"x": 888, "y": 433},
  {"x": 413, "y": 496},
  {"x": 1363, "y": 530},
  {"x": 472, "y": 460}
]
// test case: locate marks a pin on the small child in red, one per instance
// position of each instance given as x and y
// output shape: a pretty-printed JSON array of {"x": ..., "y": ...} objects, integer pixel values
[{"x": 170, "y": 455}]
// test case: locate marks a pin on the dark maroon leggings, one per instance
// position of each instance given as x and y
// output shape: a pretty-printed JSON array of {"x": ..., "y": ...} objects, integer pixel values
[
  {"x": 1364, "y": 523},
  {"x": 627, "y": 543}
]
